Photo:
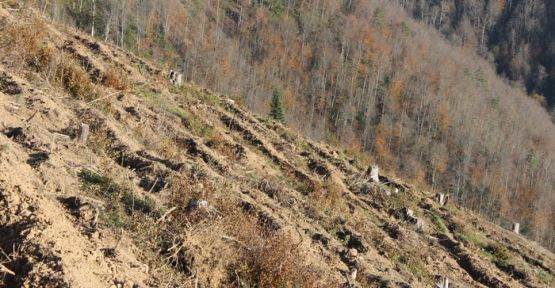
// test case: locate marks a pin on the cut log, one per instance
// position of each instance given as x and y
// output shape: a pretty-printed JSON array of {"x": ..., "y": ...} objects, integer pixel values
[{"x": 83, "y": 133}]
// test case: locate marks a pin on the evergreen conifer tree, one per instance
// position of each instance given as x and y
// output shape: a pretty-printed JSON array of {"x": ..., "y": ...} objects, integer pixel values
[{"x": 276, "y": 109}]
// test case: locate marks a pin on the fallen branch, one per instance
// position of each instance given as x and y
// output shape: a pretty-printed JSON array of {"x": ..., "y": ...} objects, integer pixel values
[
  {"x": 32, "y": 116},
  {"x": 101, "y": 98},
  {"x": 59, "y": 135},
  {"x": 153, "y": 185},
  {"x": 6, "y": 270},
  {"x": 236, "y": 242},
  {"x": 165, "y": 215}
]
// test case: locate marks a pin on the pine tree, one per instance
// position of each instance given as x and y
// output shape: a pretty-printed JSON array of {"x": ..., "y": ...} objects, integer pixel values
[{"x": 276, "y": 109}]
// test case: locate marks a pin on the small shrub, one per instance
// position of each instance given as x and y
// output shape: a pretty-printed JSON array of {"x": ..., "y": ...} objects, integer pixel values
[
  {"x": 198, "y": 127},
  {"x": 328, "y": 197},
  {"x": 275, "y": 262},
  {"x": 543, "y": 275},
  {"x": 76, "y": 81},
  {"x": 115, "y": 218},
  {"x": 116, "y": 79},
  {"x": 500, "y": 255},
  {"x": 145, "y": 206},
  {"x": 97, "y": 183},
  {"x": 470, "y": 238}
]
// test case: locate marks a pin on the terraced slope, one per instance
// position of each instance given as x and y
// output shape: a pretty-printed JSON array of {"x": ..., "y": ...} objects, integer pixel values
[{"x": 180, "y": 187}]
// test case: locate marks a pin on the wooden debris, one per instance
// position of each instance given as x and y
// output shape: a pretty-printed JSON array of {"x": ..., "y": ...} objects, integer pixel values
[
  {"x": 63, "y": 136},
  {"x": 6, "y": 270},
  {"x": 165, "y": 215}
]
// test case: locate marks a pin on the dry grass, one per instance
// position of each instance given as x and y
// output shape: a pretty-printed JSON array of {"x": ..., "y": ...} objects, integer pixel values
[
  {"x": 217, "y": 142},
  {"x": 328, "y": 201},
  {"x": 328, "y": 196},
  {"x": 29, "y": 38},
  {"x": 57, "y": 67},
  {"x": 255, "y": 255}
]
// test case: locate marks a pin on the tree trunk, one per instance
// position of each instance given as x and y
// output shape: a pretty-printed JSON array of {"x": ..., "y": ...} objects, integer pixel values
[
  {"x": 108, "y": 24},
  {"x": 93, "y": 2}
]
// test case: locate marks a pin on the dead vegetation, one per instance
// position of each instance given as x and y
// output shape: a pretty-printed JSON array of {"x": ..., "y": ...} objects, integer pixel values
[{"x": 274, "y": 261}]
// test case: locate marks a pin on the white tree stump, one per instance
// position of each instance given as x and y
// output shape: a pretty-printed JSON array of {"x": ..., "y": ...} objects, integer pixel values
[
  {"x": 83, "y": 133},
  {"x": 442, "y": 199},
  {"x": 420, "y": 225},
  {"x": 374, "y": 174},
  {"x": 516, "y": 227},
  {"x": 443, "y": 283},
  {"x": 354, "y": 274},
  {"x": 179, "y": 80}
]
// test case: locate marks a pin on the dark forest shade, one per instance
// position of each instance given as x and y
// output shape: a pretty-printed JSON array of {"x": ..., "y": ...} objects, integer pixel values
[{"x": 518, "y": 35}]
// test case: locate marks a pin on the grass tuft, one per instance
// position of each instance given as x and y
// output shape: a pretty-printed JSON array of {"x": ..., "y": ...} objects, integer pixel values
[{"x": 439, "y": 224}]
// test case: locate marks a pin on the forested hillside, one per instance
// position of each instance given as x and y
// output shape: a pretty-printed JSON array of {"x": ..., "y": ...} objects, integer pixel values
[
  {"x": 517, "y": 35},
  {"x": 364, "y": 75}
]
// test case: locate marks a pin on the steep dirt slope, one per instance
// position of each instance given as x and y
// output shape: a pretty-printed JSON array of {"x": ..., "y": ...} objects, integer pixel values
[{"x": 180, "y": 187}]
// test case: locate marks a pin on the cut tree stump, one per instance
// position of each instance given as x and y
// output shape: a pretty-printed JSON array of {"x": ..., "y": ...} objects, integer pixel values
[
  {"x": 83, "y": 133},
  {"x": 516, "y": 227},
  {"x": 442, "y": 199},
  {"x": 374, "y": 173},
  {"x": 443, "y": 283}
]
